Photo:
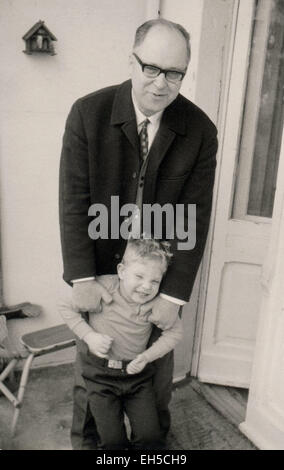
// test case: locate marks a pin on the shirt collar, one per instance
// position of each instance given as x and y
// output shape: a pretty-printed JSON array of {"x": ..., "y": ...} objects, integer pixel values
[{"x": 140, "y": 117}]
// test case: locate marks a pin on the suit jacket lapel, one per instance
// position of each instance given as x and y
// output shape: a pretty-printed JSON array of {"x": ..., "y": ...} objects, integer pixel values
[
  {"x": 162, "y": 142},
  {"x": 130, "y": 130},
  {"x": 172, "y": 123},
  {"x": 123, "y": 113}
]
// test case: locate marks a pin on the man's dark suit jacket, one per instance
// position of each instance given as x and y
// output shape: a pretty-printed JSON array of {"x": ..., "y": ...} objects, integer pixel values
[{"x": 100, "y": 159}]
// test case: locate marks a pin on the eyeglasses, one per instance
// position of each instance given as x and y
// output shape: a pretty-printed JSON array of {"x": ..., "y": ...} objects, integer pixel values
[{"x": 151, "y": 71}]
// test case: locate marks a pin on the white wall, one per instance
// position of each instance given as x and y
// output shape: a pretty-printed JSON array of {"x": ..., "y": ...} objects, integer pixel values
[
  {"x": 189, "y": 14},
  {"x": 94, "y": 40},
  {"x": 264, "y": 423}
]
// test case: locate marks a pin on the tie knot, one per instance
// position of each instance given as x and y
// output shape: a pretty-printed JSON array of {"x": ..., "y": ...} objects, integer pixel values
[{"x": 145, "y": 123}]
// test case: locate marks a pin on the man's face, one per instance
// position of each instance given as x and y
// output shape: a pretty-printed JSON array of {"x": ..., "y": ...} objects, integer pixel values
[
  {"x": 140, "y": 279},
  {"x": 165, "y": 49}
]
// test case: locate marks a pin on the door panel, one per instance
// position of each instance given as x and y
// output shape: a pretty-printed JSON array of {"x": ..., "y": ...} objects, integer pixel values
[{"x": 242, "y": 228}]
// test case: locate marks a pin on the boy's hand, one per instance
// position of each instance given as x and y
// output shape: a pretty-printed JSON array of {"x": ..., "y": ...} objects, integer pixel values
[
  {"x": 98, "y": 344},
  {"x": 138, "y": 364},
  {"x": 164, "y": 313},
  {"x": 87, "y": 296}
]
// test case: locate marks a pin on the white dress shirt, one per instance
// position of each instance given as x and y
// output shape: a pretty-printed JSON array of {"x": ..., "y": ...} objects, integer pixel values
[{"x": 154, "y": 122}]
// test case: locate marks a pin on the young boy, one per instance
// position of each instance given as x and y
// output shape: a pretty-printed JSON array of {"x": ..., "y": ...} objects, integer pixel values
[{"x": 117, "y": 365}]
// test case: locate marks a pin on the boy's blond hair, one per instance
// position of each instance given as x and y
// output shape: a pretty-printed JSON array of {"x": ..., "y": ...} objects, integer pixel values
[{"x": 148, "y": 248}]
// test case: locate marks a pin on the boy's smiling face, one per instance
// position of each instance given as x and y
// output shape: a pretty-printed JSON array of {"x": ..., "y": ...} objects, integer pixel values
[{"x": 140, "y": 279}]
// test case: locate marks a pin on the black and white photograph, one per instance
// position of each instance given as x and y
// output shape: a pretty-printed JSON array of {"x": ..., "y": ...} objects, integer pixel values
[{"x": 142, "y": 228}]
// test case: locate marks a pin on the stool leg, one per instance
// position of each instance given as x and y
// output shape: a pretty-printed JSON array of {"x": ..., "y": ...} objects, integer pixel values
[
  {"x": 8, "y": 369},
  {"x": 21, "y": 391},
  {"x": 5, "y": 390}
]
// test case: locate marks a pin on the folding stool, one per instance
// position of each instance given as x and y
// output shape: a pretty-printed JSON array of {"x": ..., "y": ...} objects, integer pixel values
[{"x": 36, "y": 344}]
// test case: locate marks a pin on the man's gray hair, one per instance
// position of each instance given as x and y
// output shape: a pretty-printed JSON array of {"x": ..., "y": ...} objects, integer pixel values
[{"x": 142, "y": 31}]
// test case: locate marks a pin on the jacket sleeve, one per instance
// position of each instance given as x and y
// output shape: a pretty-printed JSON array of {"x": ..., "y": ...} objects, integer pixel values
[
  {"x": 197, "y": 190},
  {"x": 74, "y": 201},
  {"x": 165, "y": 343}
]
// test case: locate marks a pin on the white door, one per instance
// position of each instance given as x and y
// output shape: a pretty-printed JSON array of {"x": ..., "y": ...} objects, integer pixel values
[{"x": 248, "y": 162}]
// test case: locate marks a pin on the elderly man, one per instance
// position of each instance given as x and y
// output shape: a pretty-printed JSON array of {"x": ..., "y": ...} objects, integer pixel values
[{"x": 146, "y": 143}]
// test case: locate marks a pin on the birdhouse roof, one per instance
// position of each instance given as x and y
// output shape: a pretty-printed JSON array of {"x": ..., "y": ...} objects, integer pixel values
[{"x": 35, "y": 28}]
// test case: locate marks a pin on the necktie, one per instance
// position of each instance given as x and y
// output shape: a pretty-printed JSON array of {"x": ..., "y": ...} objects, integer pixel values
[{"x": 144, "y": 140}]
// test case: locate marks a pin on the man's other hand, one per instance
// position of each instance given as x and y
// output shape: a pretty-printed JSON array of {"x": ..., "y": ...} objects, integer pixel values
[
  {"x": 87, "y": 296},
  {"x": 164, "y": 313}
]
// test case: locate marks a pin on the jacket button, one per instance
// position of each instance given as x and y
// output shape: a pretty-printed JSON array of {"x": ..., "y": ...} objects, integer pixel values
[{"x": 117, "y": 255}]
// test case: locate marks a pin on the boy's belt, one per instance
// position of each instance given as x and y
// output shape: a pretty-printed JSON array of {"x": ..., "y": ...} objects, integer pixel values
[
  {"x": 114, "y": 364},
  {"x": 110, "y": 363}
]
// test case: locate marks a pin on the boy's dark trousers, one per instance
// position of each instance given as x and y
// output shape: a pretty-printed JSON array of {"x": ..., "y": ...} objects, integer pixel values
[
  {"x": 84, "y": 435},
  {"x": 111, "y": 392}
]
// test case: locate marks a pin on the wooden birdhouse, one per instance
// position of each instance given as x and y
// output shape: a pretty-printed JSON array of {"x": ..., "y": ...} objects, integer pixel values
[{"x": 39, "y": 39}]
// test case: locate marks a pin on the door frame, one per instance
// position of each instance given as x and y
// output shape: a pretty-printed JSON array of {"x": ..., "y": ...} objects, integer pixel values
[{"x": 229, "y": 120}]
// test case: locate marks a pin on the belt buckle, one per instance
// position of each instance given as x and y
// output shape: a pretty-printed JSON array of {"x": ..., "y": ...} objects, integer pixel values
[{"x": 113, "y": 364}]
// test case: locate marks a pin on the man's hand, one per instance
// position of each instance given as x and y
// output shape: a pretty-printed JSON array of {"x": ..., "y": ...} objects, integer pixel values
[
  {"x": 138, "y": 364},
  {"x": 98, "y": 344},
  {"x": 87, "y": 296},
  {"x": 164, "y": 313}
]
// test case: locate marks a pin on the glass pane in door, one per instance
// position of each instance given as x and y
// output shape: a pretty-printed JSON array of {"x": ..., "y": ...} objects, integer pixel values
[{"x": 263, "y": 114}]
